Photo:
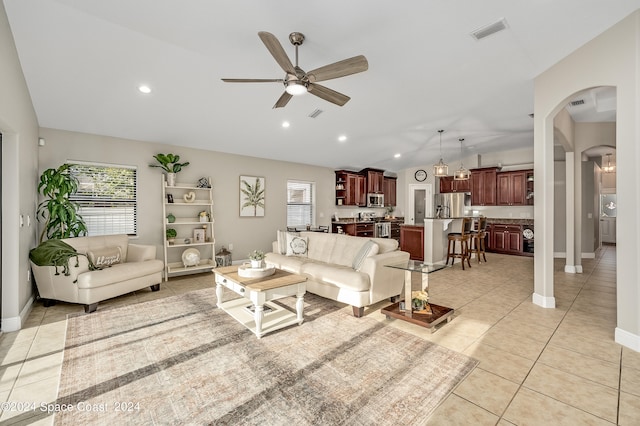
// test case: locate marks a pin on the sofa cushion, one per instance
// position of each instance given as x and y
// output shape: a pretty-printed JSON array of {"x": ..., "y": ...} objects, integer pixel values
[
  {"x": 119, "y": 272},
  {"x": 368, "y": 249},
  {"x": 105, "y": 256},
  {"x": 339, "y": 276},
  {"x": 296, "y": 245},
  {"x": 282, "y": 240},
  {"x": 291, "y": 264}
]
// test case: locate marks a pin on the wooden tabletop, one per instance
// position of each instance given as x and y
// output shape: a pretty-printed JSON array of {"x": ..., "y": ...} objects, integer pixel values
[{"x": 279, "y": 279}]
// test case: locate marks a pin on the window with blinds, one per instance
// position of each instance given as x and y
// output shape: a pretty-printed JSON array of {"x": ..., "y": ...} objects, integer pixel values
[
  {"x": 107, "y": 198},
  {"x": 300, "y": 203}
]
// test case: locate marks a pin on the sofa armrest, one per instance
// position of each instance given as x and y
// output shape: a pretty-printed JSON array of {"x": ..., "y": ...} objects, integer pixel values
[
  {"x": 140, "y": 252},
  {"x": 60, "y": 286},
  {"x": 385, "y": 282}
]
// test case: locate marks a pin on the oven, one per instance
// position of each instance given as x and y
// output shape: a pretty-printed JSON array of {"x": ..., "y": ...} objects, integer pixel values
[{"x": 382, "y": 230}]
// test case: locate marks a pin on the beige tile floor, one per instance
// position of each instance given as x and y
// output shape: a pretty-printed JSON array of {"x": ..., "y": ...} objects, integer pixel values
[{"x": 555, "y": 366}]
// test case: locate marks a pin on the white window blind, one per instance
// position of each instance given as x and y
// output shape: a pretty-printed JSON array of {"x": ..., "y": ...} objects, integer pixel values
[
  {"x": 107, "y": 198},
  {"x": 300, "y": 203}
]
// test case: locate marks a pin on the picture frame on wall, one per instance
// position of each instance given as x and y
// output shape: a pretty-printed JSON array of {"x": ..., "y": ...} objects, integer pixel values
[
  {"x": 252, "y": 196},
  {"x": 199, "y": 235}
]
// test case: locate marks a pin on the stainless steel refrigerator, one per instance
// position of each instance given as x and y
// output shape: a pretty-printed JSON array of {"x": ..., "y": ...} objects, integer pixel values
[{"x": 452, "y": 204}]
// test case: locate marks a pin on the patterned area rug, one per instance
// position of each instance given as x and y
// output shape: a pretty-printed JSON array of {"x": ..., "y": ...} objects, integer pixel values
[{"x": 181, "y": 360}]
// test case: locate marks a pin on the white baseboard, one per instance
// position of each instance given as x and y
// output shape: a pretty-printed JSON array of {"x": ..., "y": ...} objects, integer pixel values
[
  {"x": 630, "y": 340},
  {"x": 10, "y": 324},
  {"x": 545, "y": 302}
]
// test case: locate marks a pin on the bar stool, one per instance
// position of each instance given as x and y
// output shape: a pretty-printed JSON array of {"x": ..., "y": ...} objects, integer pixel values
[
  {"x": 462, "y": 237},
  {"x": 478, "y": 237}
]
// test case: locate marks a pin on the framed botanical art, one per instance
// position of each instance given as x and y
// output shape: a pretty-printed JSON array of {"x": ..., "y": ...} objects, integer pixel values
[{"x": 252, "y": 196}]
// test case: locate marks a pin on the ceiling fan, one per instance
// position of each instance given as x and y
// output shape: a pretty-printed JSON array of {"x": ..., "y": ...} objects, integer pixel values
[{"x": 296, "y": 80}]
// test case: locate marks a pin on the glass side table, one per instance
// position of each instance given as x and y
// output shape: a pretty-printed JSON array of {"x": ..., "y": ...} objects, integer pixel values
[{"x": 416, "y": 278}]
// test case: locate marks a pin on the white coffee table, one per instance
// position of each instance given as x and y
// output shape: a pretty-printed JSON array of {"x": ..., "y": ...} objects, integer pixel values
[{"x": 253, "y": 310}]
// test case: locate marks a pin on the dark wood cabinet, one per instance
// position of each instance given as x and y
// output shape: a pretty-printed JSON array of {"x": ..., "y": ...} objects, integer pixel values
[
  {"x": 375, "y": 180},
  {"x": 449, "y": 184},
  {"x": 506, "y": 238},
  {"x": 395, "y": 230},
  {"x": 389, "y": 190},
  {"x": 529, "y": 196},
  {"x": 350, "y": 189},
  {"x": 412, "y": 241},
  {"x": 364, "y": 230},
  {"x": 511, "y": 188},
  {"x": 483, "y": 187}
]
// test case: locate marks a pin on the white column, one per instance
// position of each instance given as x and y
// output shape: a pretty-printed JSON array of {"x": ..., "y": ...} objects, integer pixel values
[
  {"x": 543, "y": 210},
  {"x": 570, "y": 261}
]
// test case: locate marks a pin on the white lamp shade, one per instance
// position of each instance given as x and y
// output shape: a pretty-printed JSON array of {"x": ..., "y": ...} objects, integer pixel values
[{"x": 295, "y": 88}]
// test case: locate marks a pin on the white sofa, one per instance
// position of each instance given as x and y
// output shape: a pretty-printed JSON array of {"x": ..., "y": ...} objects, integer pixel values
[
  {"x": 328, "y": 265},
  {"x": 137, "y": 268}
]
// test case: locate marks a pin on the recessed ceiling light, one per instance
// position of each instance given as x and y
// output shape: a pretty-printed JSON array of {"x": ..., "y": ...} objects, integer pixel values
[
  {"x": 342, "y": 138},
  {"x": 285, "y": 124},
  {"x": 397, "y": 156},
  {"x": 144, "y": 89}
]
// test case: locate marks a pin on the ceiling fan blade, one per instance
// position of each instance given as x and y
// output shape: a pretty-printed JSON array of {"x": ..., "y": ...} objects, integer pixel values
[
  {"x": 252, "y": 80},
  {"x": 284, "y": 99},
  {"x": 339, "y": 69},
  {"x": 328, "y": 94},
  {"x": 276, "y": 50}
]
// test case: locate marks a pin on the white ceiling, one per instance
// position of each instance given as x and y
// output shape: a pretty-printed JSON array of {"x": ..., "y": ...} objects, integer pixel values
[{"x": 83, "y": 60}]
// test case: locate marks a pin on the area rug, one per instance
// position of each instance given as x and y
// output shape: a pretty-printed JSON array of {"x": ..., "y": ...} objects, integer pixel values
[{"x": 181, "y": 360}]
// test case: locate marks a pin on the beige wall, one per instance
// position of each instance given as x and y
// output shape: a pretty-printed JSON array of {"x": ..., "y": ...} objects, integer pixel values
[
  {"x": 246, "y": 234},
  {"x": 19, "y": 127},
  {"x": 610, "y": 59}
]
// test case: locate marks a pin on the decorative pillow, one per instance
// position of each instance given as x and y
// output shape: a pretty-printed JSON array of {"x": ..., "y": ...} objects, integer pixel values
[
  {"x": 296, "y": 245},
  {"x": 105, "y": 256},
  {"x": 370, "y": 248},
  {"x": 282, "y": 240}
]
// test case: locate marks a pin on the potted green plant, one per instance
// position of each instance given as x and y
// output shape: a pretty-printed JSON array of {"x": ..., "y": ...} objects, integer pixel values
[
  {"x": 59, "y": 213},
  {"x": 256, "y": 257},
  {"x": 171, "y": 235},
  {"x": 170, "y": 164}
]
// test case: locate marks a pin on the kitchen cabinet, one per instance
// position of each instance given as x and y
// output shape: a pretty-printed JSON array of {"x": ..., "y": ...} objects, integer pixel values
[
  {"x": 505, "y": 238},
  {"x": 412, "y": 241},
  {"x": 395, "y": 230},
  {"x": 529, "y": 196},
  {"x": 364, "y": 229},
  {"x": 350, "y": 189},
  {"x": 375, "y": 180},
  {"x": 449, "y": 184},
  {"x": 511, "y": 188},
  {"x": 389, "y": 190},
  {"x": 483, "y": 187}
]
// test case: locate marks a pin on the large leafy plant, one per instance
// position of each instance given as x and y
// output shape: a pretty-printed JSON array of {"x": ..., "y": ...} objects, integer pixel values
[
  {"x": 59, "y": 213},
  {"x": 169, "y": 163}
]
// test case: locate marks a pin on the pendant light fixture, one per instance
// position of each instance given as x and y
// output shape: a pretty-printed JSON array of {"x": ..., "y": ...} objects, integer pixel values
[
  {"x": 609, "y": 168},
  {"x": 440, "y": 169},
  {"x": 461, "y": 173}
]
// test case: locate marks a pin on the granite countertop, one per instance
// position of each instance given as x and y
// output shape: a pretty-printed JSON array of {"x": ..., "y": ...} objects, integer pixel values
[{"x": 510, "y": 221}]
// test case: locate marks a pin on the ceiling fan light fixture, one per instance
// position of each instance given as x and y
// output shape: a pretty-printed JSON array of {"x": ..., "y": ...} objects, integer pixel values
[
  {"x": 295, "y": 87},
  {"x": 441, "y": 168}
]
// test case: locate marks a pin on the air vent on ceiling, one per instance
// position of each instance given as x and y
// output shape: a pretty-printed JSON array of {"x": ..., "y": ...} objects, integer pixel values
[
  {"x": 487, "y": 30},
  {"x": 578, "y": 102},
  {"x": 315, "y": 113}
]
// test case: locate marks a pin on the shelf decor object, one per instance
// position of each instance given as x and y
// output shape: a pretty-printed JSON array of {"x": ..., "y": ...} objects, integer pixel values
[
  {"x": 441, "y": 168},
  {"x": 193, "y": 250}
]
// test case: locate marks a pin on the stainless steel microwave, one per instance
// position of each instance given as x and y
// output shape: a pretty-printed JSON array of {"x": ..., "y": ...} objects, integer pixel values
[{"x": 375, "y": 200}]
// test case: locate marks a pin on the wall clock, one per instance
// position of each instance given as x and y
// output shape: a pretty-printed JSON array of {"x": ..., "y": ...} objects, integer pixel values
[{"x": 420, "y": 175}]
